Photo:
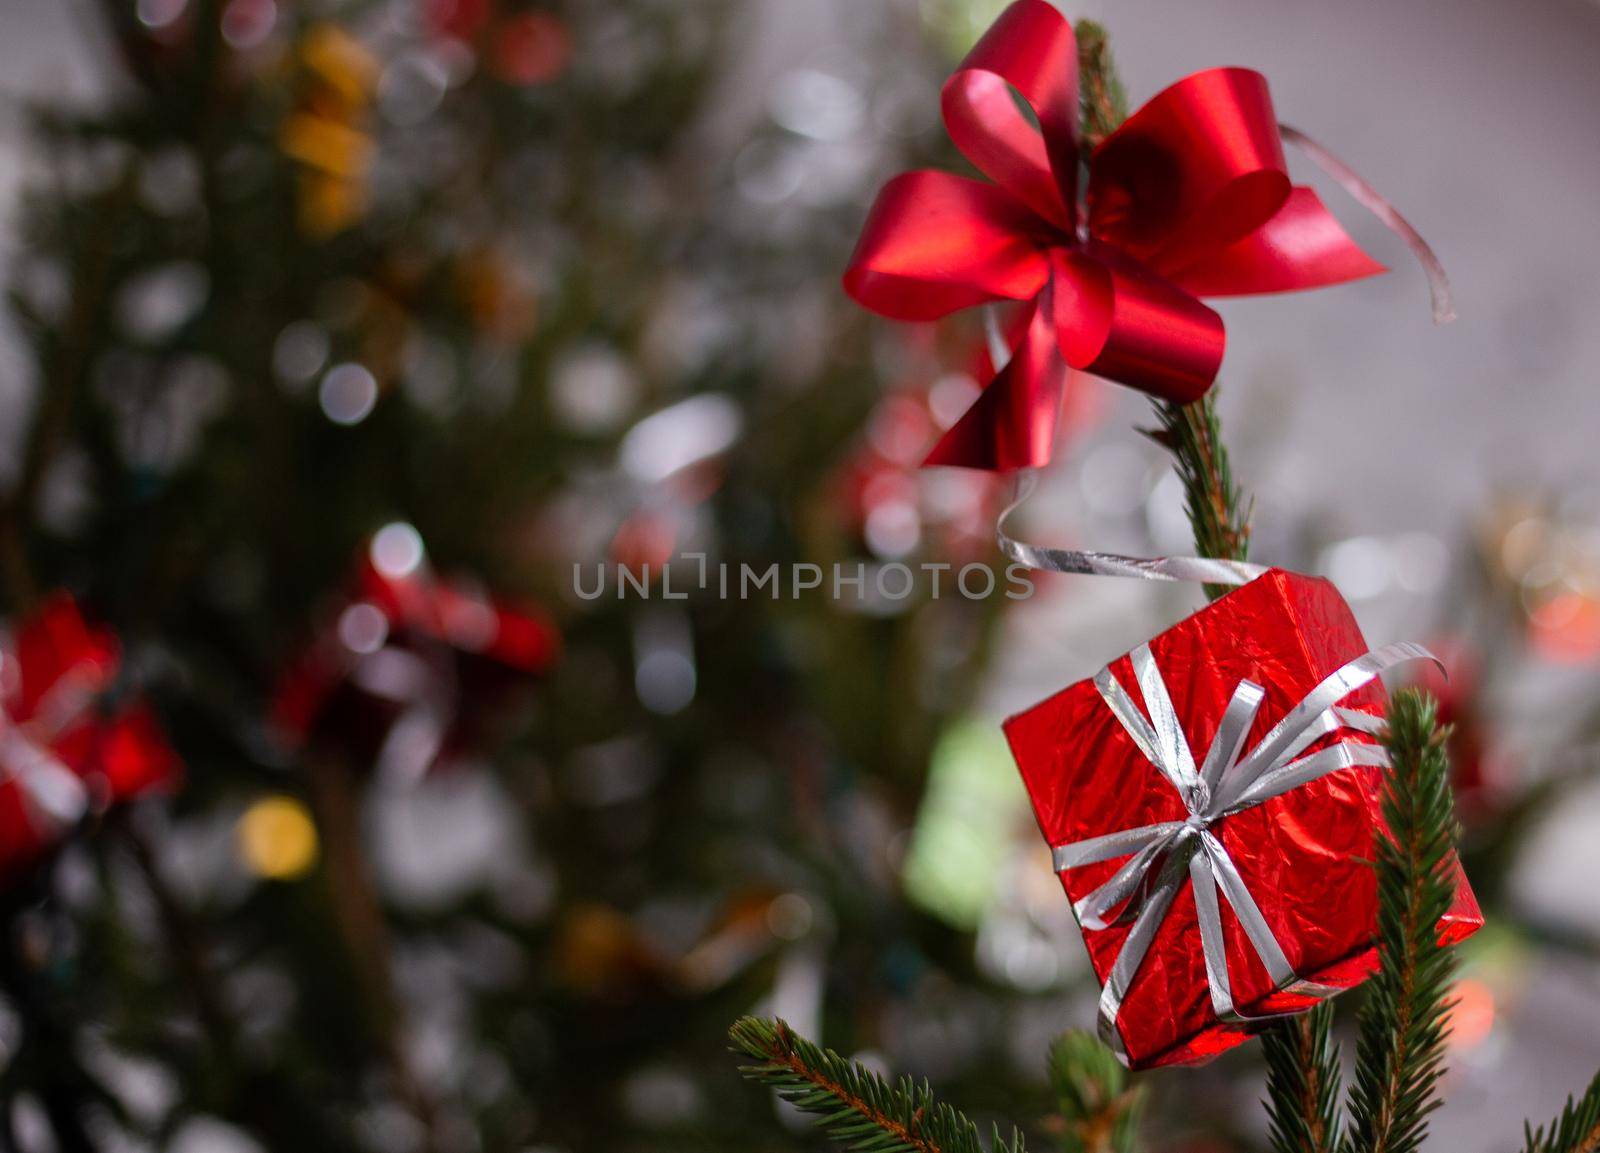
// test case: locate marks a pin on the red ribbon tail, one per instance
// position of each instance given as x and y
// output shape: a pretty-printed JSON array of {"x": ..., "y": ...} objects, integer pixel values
[
  {"x": 1012, "y": 425},
  {"x": 1444, "y": 310}
]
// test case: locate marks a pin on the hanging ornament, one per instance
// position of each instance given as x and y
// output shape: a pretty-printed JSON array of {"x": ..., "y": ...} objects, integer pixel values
[
  {"x": 1211, "y": 801},
  {"x": 1189, "y": 198}
]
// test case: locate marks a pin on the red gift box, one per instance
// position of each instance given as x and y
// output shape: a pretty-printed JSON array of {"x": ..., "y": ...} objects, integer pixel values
[
  {"x": 65, "y": 747},
  {"x": 1186, "y": 803}
]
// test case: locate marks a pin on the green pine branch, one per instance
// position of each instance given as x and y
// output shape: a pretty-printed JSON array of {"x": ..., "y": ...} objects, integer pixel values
[
  {"x": 1218, "y": 512},
  {"x": 1400, "y": 1048},
  {"x": 1099, "y": 1110},
  {"x": 1303, "y": 1082},
  {"x": 1577, "y": 1130},
  {"x": 853, "y": 1105}
]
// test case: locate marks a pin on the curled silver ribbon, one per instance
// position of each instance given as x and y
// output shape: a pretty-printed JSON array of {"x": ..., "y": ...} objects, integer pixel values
[
  {"x": 1229, "y": 780},
  {"x": 1444, "y": 309},
  {"x": 1200, "y": 570}
]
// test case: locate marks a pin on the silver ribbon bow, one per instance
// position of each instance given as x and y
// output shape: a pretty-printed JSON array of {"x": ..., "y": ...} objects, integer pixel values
[{"x": 1229, "y": 780}]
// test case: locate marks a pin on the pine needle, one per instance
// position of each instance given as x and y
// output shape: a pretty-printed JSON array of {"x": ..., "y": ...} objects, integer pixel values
[
  {"x": 1103, "y": 104},
  {"x": 1303, "y": 1082},
  {"x": 853, "y": 1105},
  {"x": 1577, "y": 1130},
  {"x": 1100, "y": 1111},
  {"x": 1218, "y": 513},
  {"x": 1401, "y": 1044}
]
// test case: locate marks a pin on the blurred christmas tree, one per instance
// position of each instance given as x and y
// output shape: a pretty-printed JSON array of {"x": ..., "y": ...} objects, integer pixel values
[{"x": 342, "y": 315}]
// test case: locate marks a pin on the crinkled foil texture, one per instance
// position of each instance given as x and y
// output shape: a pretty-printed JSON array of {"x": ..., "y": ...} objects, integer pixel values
[{"x": 1303, "y": 855}]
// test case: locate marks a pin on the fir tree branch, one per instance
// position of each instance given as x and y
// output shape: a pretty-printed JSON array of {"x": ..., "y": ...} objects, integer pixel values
[
  {"x": 855, "y": 1106},
  {"x": 1303, "y": 1083},
  {"x": 1103, "y": 103},
  {"x": 1577, "y": 1130},
  {"x": 1100, "y": 1111},
  {"x": 1217, "y": 510},
  {"x": 1400, "y": 1048}
]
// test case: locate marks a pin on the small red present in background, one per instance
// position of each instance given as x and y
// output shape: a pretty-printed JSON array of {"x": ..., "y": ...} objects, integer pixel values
[
  {"x": 67, "y": 749},
  {"x": 411, "y": 666},
  {"x": 1480, "y": 772},
  {"x": 1218, "y": 791}
]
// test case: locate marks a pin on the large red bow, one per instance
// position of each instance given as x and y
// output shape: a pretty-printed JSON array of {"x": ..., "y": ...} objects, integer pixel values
[{"x": 1189, "y": 197}]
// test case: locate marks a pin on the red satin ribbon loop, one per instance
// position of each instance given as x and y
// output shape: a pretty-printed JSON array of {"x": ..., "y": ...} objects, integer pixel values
[
  {"x": 935, "y": 243},
  {"x": 1302, "y": 246},
  {"x": 1031, "y": 49},
  {"x": 1196, "y": 169}
]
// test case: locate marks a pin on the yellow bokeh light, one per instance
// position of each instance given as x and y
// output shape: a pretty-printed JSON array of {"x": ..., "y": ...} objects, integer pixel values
[{"x": 277, "y": 839}]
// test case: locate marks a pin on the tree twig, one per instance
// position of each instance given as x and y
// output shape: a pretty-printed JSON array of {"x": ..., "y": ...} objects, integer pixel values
[
  {"x": 1103, "y": 104},
  {"x": 336, "y": 803},
  {"x": 1099, "y": 1109},
  {"x": 1577, "y": 1130},
  {"x": 852, "y": 1103}
]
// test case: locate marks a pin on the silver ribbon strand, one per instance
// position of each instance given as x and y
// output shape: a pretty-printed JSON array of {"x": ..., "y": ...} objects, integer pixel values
[
  {"x": 1444, "y": 308},
  {"x": 1228, "y": 780},
  {"x": 1200, "y": 570}
]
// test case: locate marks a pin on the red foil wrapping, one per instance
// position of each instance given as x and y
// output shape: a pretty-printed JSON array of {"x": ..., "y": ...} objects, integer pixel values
[
  {"x": 61, "y": 732},
  {"x": 1303, "y": 855}
]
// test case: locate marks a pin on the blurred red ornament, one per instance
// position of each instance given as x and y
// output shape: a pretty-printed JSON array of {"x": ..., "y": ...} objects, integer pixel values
[
  {"x": 1471, "y": 1016},
  {"x": 1565, "y": 628},
  {"x": 67, "y": 747},
  {"x": 457, "y": 19},
  {"x": 891, "y": 504},
  {"x": 409, "y": 671},
  {"x": 891, "y": 507},
  {"x": 529, "y": 48},
  {"x": 246, "y": 24},
  {"x": 645, "y": 540}
]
